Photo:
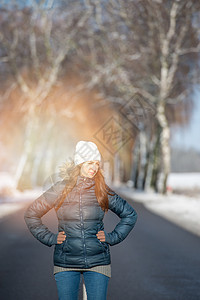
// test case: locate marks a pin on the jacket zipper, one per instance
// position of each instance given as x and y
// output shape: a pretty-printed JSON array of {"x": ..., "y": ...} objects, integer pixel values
[{"x": 82, "y": 227}]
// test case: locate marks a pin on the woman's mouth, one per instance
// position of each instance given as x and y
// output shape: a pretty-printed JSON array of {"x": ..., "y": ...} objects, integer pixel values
[{"x": 91, "y": 172}]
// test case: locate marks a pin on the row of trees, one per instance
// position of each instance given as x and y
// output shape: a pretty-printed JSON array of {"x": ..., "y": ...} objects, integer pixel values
[
  {"x": 140, "y": 58},
  {"x": 150, "y": 48}
]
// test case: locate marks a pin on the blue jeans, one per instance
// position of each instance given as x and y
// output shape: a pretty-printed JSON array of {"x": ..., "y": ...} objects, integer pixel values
[{"x": 68, "y": 285}]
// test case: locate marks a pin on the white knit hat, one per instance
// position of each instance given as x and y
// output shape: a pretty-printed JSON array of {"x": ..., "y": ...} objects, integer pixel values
[{"x": 86, "y": 151}]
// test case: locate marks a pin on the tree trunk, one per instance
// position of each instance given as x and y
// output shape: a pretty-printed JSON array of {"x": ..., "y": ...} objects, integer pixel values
[
  {"x": 40, "y": 149},
  {"x": 143, "y": 159},
  {"x": 146, "y": 167},
  {"x": 25, "y": 153},
  {"x": 117, "y": 169},
  {"x": 150, "y": 162},
  {"x": 136, "y": 162},
  {"x": 156, "y": 161},
  {"x": 164, "y": 144}
]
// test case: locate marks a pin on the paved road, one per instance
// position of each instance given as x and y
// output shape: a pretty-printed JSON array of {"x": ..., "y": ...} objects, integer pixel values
[{"x": 157, "y": 261}]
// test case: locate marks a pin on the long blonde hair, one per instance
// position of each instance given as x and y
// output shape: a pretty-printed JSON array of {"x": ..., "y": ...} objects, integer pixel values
[{"x": 70, "y": 173}]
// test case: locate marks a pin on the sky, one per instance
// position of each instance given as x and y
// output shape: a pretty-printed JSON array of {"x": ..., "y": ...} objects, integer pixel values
[
  {"x": 189, "y": 137},
  {"x": 25, "y": 2}
]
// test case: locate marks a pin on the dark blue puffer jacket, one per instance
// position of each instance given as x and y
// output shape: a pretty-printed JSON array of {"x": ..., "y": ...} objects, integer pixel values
[{"x": 81, "y": 217}]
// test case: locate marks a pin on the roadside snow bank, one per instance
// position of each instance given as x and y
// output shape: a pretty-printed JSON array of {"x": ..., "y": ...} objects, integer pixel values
[
  {"x": 11, "y": 204},
  {"x": 9, "y": 208},
  {"x": 183, "y": 181},
  {"x": 181, "y": 210},
  {"x": 7, "y": 184}
]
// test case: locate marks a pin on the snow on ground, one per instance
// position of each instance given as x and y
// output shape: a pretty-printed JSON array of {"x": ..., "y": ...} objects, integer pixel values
[
  {"x": 179, "y": 209},
  {"x": 9, "y": 208},
  {"x": 184, "y": 181},
  {"x": 16, "y": 201},
  {"x": 6, "y": 180}
]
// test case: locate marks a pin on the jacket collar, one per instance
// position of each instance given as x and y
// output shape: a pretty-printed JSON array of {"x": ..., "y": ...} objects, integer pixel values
[{"x": 86, "y": 181}]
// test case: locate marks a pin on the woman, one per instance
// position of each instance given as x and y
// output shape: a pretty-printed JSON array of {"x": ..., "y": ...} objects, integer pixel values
[{"x": 81, "y": 244}]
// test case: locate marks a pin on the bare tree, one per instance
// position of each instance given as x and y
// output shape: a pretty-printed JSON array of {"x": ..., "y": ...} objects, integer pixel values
[
  {"x": 150, "y": 48},
  {"x": 140, "y": 52},
  {"x": 35, "y": 43}
]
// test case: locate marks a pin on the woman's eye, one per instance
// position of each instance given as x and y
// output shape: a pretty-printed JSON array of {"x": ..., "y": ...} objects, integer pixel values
[{"x": 95, "y": 164}]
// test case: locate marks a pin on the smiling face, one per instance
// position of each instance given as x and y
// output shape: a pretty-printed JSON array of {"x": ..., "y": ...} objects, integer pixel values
[{"x": 89, "y": 168}]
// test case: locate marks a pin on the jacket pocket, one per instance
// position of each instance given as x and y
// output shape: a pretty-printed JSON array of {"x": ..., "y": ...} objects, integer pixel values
[
  {"x": 104, "y": 246},
  {"x": 65, "y": 247}
]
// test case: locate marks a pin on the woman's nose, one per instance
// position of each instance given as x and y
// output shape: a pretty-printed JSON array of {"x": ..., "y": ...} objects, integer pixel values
[{"x": 94, "y": 167}]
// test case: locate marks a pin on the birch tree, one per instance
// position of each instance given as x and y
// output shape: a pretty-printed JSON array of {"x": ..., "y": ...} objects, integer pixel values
[
  {"x": 150, "y": 48},
  {"x": 35, "y": 43}
]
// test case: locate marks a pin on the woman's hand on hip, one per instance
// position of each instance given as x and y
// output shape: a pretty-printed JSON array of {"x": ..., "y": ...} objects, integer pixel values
[
  {"x": 101, "y": 236},
  {"x": 61, "y": 237}
]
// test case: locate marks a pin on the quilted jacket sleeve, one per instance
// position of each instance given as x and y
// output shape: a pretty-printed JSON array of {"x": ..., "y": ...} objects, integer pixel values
[
  {"x": 128, "y": 217},
  {"x": 39, "y": 208}
]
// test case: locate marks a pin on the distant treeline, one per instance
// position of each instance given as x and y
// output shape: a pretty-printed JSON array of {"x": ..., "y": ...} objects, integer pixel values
[{"x": 185, "y": 160}]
